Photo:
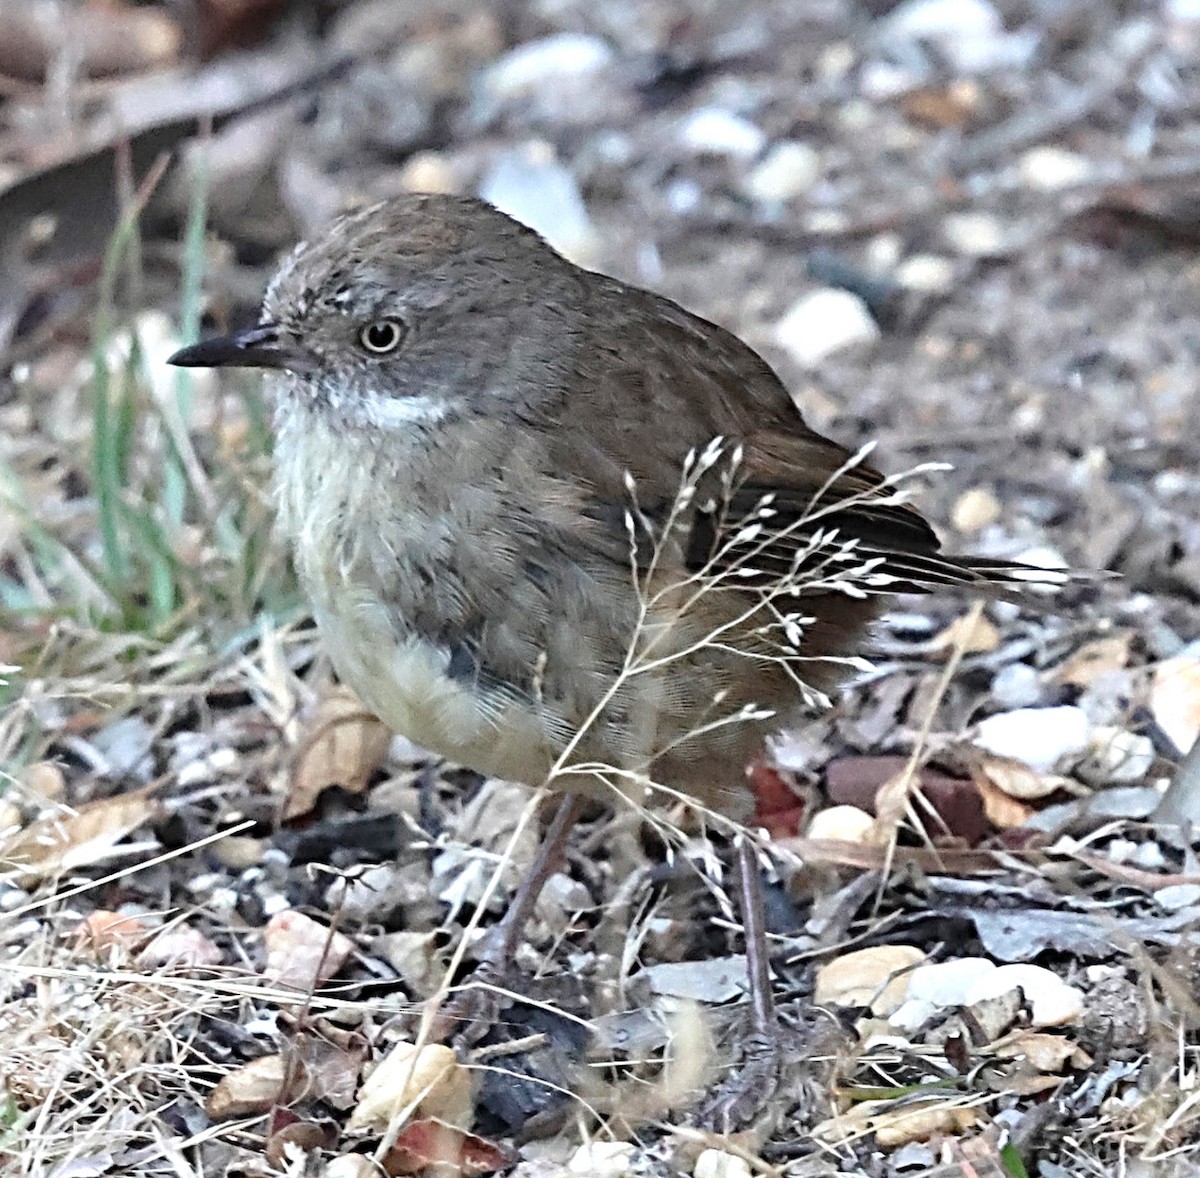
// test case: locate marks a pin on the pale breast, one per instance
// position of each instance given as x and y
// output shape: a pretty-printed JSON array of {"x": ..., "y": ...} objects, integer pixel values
[{"x": 330, "y": 505}]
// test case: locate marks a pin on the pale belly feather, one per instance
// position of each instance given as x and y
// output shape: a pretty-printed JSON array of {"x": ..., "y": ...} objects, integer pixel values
[
  {"x": 334, "y": 526},
  {"x": 404, "y": 680}
]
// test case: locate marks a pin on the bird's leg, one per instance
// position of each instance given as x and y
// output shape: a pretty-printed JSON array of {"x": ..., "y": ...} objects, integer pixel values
[
  {"x": 752, "y": 1087},
  {"x": 758, "y": 952},
  {"x": 476, "y": 1006},
  {"x": 500, "y": 946}
]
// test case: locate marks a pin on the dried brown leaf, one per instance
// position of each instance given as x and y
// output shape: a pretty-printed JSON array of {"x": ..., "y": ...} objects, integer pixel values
[
  {"x": 896, "y": 1123},
  {"x": 234, "y": 24},
  {"x": 343, "y": 746},
  {"x": 1092, "y": 660},
  {"x": 251, "y": 1089},
  {"x": 1041, "y": 1050},
  {"x": 920, "y": 1124},
  {"x": 940, "y": 106},
  {"x": 296, "y": 1137},
  {"x": 1017, "y": 779},
  {"x": 301, "y": 952},
  {"x": 428, "y": 1079},
  {"x": 68, "y": 840},
  {"x": 1002, "y": 810},
  {"x": 424, "y": 1145},
  {"x": 971, "y": 634},
  {"x": 332, "y": 1069},
  {"x": 181, "y": 946},
  {"x": 102, "y": 930}
]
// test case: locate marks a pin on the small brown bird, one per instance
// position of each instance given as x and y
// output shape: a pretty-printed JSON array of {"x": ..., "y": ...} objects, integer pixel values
[{"x": 556, "y": 528}]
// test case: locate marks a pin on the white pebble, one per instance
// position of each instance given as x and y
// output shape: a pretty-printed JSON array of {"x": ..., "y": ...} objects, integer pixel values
[
  {"x": 974, "y": 509},
  {"x": 530, "y": 185},
  {"x": 846, "y": 823},
  {"x": 1052, "y": 1002},
  {"x": 274, "y": 903},
  {"x": 684, "y": 195},
  {"x": 947, "y": 983},
  {"x": 350, "y": 1165},
  {"x": 1119, "y": 756},
  {"x": 602, "y": 1159},
  {"x": 563, "y": 55},
  {"x": 720, "y": 132},
  {"x": 1174, "y": 897},
  {"x": 875, "y": 977},
  {"x": 423, "y": 171},
  {"x": 882, "y": 80},
  {"x": 934, "y": 987},
  {"x": 974, "y": 235},
  {"x": 208, "y": 769},
  {"x": 23, "y": 932},
  {"x": 824, "y": 322},
  {"x": 787, "y": 170},
  {"x": 1017, "y": 686},
  {"x": 930, "y": 273},
  {"x": 716, "y": 1163},
  {"x": 1121, "y": 850},
  {"x": 13, "y": 898},
  {"x": 1149, "y": 856},
  {"x": 1041, "y": 737},
  {"x": 226, "y": 900},
  {"x": 883, "y": 252},
  {"x": 970, "y": 33},
  {"x": 911, "y": 1014},
  {"x": 199, "y": 884},
  {"x": 1050, "y": 168},
  {"x": 944, "y": 19}
]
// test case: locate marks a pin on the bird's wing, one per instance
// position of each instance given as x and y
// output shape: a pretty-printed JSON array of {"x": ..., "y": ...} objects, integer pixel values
[{"x": 684, "y": 383}]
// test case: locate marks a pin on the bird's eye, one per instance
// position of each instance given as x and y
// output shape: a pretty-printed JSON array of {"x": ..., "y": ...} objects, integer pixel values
[{"x": 381, "y": 336}]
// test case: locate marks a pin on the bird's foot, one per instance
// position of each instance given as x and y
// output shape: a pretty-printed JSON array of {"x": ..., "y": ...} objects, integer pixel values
[
  {"x": 760, "y": 1085},
  {"x": 474, "y": 1009}
]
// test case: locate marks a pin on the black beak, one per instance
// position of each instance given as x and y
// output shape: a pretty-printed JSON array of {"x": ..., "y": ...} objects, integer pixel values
[{"x": 254, "y": 347}]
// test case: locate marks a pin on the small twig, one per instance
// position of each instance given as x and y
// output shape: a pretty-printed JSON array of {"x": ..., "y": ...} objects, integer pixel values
[
  {"x": 512, "y": 1047},
  {"x": 908, "y": 773},
  {"x": 1032, "y": 125},
  {"x": 132, "y": 869}
]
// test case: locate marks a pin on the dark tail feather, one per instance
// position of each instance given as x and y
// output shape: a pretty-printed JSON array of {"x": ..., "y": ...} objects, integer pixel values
[{"x": 905, "y": 572}]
